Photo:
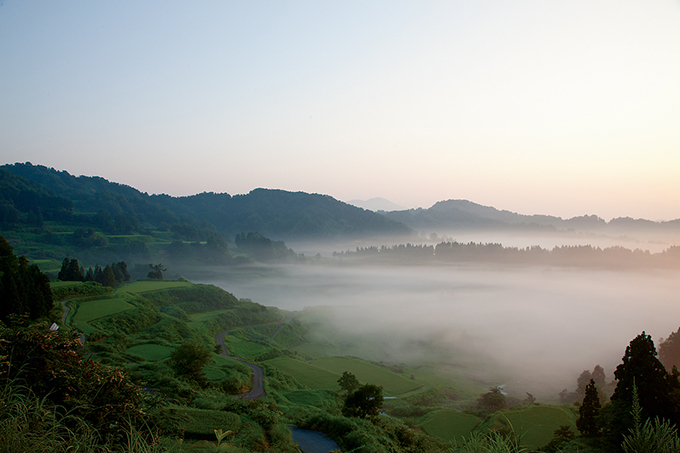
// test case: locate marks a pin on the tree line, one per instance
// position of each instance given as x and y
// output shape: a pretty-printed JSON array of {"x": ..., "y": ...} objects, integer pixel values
[{"x": 449, "y": 252}]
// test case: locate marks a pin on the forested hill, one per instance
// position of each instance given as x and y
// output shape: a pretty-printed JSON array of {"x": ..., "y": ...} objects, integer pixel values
[
  {"x": 463, "y": 214},
  {"x": 124, "y": 210}
]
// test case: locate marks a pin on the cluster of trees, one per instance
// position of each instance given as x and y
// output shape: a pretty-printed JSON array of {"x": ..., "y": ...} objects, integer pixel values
[
  {"x": 111, "y": 275},
  {"x": 262, "y": 248},
  {"x": 643, "y": 386},
  {"x": 360, "y": 400},
  {"x": 23, "y": 287},
  {"x": 598, "y": 376},
  {"x": 614, "y": 257}
]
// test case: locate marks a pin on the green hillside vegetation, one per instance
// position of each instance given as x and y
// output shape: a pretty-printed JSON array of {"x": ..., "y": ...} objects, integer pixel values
[
  {"x": 534, "y": 424},
  {"x": 150, "y": 378},
  {"x": 392, "y": 383},
  {"x": 450, "y": 425},
  {"x": 99, "y": 220}
]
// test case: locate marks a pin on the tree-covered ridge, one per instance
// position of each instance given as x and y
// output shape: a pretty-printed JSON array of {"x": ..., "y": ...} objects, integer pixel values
[
  {"x": 279, "y": 214},
  {"x": 448, "y": 252},
  {"x": 23, "y": 201},
  {"x": 464, "y": 214}
]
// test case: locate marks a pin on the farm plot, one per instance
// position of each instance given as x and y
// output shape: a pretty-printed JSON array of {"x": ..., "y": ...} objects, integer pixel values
[
  {"x": 450, "y": 425},
  {"x": 392, "y": 383},
  {"x": 143, "y": 286},
  {"x": 307, "y": 375},
  {"x": 536, "y": 424},
  {"x": 90, "y": 310},
  {"x": 150, "y": 352}
]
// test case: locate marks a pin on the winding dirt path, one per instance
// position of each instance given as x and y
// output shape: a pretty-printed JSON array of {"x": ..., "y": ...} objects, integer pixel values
[
  {"x": 257, "y": 390},
  {"x": 63, "y": 320}
]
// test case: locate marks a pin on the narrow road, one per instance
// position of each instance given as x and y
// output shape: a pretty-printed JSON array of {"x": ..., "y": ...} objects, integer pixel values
[
  {"x": 63, "y": 321},
  {"x": 257, "y": 391}
]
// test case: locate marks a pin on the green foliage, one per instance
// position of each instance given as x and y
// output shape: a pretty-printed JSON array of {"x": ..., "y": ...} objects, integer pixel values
[
  {"x": 156, "y": 272},
  {"x": 587, "y": 412},
  {"x": 79, "y": 290},
  {"x": 657, "y": 390},
  {"x": 365, "y": 401},
  {"x": 51, "y": 366},
  {"x": 188, "y": 360},
  {"x": 658, "y": 436},
  {"x": 348, "y": 382},
  {"x": 491, "y": 401},
  {"x": 493, "y": 442},
  {"x": 196, "y": 298},
  {"x": 23, "y": 287}
]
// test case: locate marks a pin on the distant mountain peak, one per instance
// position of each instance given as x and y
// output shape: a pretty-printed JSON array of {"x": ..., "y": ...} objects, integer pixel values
[{"x": 376, "y": 204}]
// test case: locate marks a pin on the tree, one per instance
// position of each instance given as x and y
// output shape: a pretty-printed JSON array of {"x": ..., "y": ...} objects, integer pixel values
[
  {"x": 188, "y": 360},
  {"x": 669, "y": 350},
  {"x": 492, "y": 401},
  {"x": 156, "y": 272},
  {"x": 109, "y": 277},
  {"x": 587, "y": 413},
  {"x": 348, "y": 382},
  {"x": 23, "y": 287},
  {"x": 366, "y": 401},
  {"x": 643, "y": 373}
]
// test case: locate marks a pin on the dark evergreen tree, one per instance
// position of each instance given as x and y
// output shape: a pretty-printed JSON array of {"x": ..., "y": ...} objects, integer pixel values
[
  {"x": 23, "y": 287},
  {"x": 669, "y": 350},
  {"x": 656, "y": 389},
  {"x": 63, "y": 273},
  {"x": 598, "y": 376},
  {"x": 587, "y": 413},
  {"x": 109, "y": 278},
  {"x": 98, "y": 274}
]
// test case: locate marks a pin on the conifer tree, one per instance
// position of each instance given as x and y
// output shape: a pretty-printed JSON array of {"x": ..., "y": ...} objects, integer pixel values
[{"x": 587, "y": 413}]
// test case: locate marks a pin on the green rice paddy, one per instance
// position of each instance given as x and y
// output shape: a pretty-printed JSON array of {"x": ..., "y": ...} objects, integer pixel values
[
  {"x": 367, "y": 373},
  {"x": 450, "y": 425},
  {"x": 89, "y": 310},
  {"x": 536, "y": 424},
  {"x": 150, "y": 352},
  {"x": 142, "y": 286},
  {"x": 307, "y": 375}
]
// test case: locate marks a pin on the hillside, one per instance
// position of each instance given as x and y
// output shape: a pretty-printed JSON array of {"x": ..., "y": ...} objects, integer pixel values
[
  {"x": 123, "y": 209},
  {"x": 464, "y": 214}
]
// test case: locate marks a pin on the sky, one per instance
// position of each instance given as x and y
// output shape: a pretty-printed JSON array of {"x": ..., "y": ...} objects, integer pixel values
[{"x": 553, "y": 107}]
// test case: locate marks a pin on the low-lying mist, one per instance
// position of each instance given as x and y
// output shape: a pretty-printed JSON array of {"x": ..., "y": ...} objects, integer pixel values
[{"x": 534, "y": 329}]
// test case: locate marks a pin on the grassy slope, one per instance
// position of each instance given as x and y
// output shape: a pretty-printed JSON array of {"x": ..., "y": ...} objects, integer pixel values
[
  {"x": 450, "y": 425},
  {"x": 392, "y": 383}
]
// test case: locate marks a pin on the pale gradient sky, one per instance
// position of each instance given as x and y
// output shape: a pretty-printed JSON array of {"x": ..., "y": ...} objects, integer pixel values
[{"x": 554, "y": 107}]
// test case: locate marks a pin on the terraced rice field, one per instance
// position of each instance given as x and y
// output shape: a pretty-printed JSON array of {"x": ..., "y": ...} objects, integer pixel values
[
  {"x": 308, "y": 375},
  {"x": 450, "y": 425},
  {"x": 150, "y": 352},
  {"x": 150, "y": 285},
  {"x": 367, "y": 373},
  {"x": 90, "y": 310},
  {"x": 536, "y": 424}
]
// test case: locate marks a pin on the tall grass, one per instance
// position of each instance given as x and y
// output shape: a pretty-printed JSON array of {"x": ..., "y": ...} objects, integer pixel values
[{"x": 30, "y": 424}]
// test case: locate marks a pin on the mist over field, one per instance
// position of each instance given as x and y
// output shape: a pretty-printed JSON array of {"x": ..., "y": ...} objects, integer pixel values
[{"x": 532, "y": 328}]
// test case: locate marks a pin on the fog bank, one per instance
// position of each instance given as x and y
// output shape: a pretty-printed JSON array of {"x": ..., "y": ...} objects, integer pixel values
[{"x": 538, "y": 325}]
